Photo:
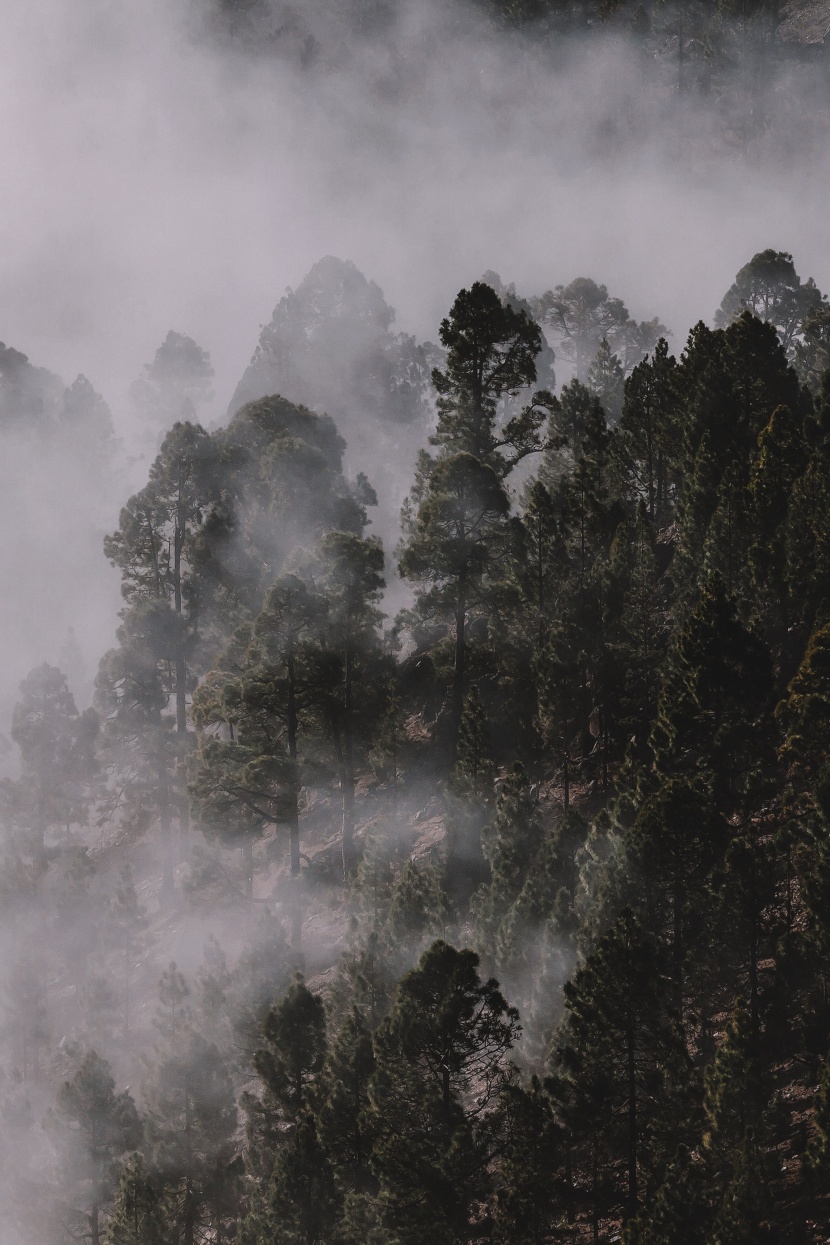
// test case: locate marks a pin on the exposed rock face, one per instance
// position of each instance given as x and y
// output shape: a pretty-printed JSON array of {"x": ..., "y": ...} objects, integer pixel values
[{"x": 805, "y": 21}]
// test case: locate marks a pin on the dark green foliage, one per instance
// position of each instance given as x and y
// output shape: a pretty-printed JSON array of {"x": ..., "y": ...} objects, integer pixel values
[
  {"x": 649, "y": 430},
  {"x": 441, "y": 1063},
  {"x": 58, "y": 760},
  {"x": 513, "y": 839},
  {"x": 344, "y": 1119},
  {"x": 417, "y": 906},
  {"x": 139, "y": 1215},
  {"x": 582, "y": 315},
  {"x": 192, "y": 1121},
  {"x": 621, "y": 1055},
  {"x": 295, "y": 1032},
  {"x": 527, "y": 1198},
  {"x": 677, "y": 1214},
  {"x": 818, "y": 1154},
  {"x": 474, "y": 765},
  {"x": 301, "y": 1203},
  {"x": 491, "y": 351},
  {"x": 455, "y": 521},
  {"x": 97, "y": 1126},
  {"x": 713, "y": 719},
  {"x": 605, "y": 381},
  {"x": 563, "y": 757},
  {"x": 676, "y": 842},
  {"x": 772, "y": 290}
]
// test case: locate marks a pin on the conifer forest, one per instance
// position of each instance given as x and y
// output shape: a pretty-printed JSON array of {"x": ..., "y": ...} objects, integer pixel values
[{"x": 415, "y": 719}]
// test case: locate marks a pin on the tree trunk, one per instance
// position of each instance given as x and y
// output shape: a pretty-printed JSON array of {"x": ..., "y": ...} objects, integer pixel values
[
  {"x": 632, "y": 1123},
  {"x": 458, "y": 669},
  {"x": 181, "y": 681},
  {"x": 127, "y": 958},
  {"x": 678, "y": 905},
  {"x": 753, "y": 968},
  {"x": 164, "y": 825},
  {"x": 294, "y": 806},
  {"x": 595, "y": 1195},
  {"x": 189, "y": 1225},
  {"x": 248, "y": 867},
  {"x": 570, "y": 1214},
  {"x": 294, "y": 778},
  {"x": 347, "y": 773},
  {"x": 566, "y": 782}
]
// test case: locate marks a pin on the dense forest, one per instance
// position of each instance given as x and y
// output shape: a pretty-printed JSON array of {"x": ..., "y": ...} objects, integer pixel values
[{"x": 466, "y": 882}]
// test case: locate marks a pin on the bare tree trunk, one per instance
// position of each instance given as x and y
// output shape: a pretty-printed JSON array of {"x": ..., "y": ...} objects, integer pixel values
[
  {"x": 632, "y": 1125},
  {"x": 181, "y": 682},
  {"x": 164, "y": 825},
  {"x": 294, "y": 807},
  {"x": 294, "y": 778},
  {"x": 458, "y": 669},
  {"x": 248, "y": 867},
  {"x": 347, "y": 773}
]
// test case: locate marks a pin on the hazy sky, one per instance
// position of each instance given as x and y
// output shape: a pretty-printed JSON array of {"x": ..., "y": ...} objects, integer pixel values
[{"x": 151, "y": 182}]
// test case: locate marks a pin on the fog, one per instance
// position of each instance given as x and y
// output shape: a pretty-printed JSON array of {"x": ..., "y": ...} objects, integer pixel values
[
  {"x": 163, "y": 171},
  {"x": 156, "y": 177},
  {"x": 159, "y": 173}
]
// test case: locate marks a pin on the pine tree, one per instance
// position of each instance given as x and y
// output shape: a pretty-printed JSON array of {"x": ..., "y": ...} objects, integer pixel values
[
  {"x": 176, "y": 383},
  {"x": 261, "y": 693},
  {"x": 57, "y": 757},
  {"x": 713, "y": 717},
  {"x": 139, "y": 1216},
  {"x": 620, "y": 1050},
  {"x": 418, "y": 908},
  {"x": 154, "y": 549},
  {"x": 441, "y": 1065},
  {"x": 289, "y": 1066},
  {"x": 648, "y": 430},
  {"x": 474, "y": 766},
  {"x": 450, "y": 540},
  {"x": 97, "y": 1127},
  {"x": 605, "y": 381},
  {"x": 582, "y": 314},
  {"x": 544, "y": 566},
  {"x": 510, "y": 846},
  {"x": 127, "y": 919},
  {"x": 343, "y": 1117},
  {"x": 301, "y": 1203},
  {"x": 491, "y": 351},
  {"x": 131, "y": 696},
  {"x": 449, "y": 549},
  {"x": 192, "y": 1122},
  {"x": 526, "y": 1193},
  {"x": 352, "y": 580},
  {"x": 638, "y": 629},
  {"x": 734, "y": 1098},
  {"x": 562, "y": 708},
  {"x": 772, "y": 290},
  {"x": 678, "y": 1212},
  {"x": 676, "y": 842}
]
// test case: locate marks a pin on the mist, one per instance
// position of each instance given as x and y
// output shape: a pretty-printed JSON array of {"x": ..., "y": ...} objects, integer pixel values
[
  {"x": 159, "y": 173},
  {"x": 157, "y": 176},
  {"x": 181, "y": 166}
]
